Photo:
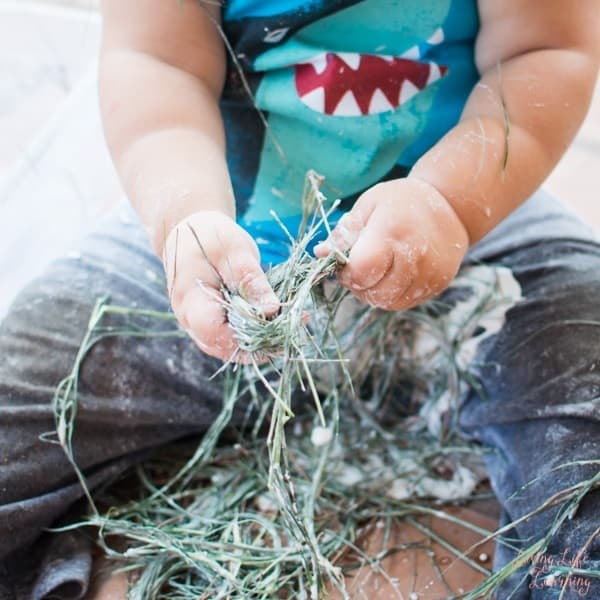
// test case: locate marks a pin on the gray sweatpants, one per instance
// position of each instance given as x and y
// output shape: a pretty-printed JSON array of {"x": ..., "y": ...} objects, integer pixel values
[{"x": 539, "y": 406}]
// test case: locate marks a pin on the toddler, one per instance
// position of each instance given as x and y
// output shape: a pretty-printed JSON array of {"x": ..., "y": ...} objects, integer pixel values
[{"x": 434, "y": 121}]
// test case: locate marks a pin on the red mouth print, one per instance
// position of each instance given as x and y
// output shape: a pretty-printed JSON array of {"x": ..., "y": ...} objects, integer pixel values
[{"x": 350, "y": 85}]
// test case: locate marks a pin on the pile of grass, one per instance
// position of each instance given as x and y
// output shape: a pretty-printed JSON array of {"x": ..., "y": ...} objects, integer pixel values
[{"x": 280, "y": 515}]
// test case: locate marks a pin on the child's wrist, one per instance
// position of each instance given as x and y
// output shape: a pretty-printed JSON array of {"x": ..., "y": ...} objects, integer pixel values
[
  {"x": 172, "y": 227},
  {"x": 458, "y": 222}
]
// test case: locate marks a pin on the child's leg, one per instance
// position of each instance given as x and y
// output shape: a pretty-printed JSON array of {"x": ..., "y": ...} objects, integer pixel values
[
  {"x": 540, "y": 409},
  {"x": 134, "y": 395}
]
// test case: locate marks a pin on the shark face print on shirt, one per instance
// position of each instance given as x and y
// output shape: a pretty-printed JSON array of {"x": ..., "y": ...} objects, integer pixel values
[{"x": 356, "y": 91}]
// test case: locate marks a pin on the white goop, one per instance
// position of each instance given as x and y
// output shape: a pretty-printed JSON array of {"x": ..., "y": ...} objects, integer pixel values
[{"x": 321, "y": 436}]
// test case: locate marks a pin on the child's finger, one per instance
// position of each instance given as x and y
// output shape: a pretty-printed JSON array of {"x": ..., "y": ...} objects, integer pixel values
[
  {"x": 203, "y": 316},
  {"x": 370, "y": 258},
  {"x": 346, "y": 232},
  {"x": 349, "y": 227},
  {"x": 397, "y": 288},
  {"x": 243, "y": 273}
]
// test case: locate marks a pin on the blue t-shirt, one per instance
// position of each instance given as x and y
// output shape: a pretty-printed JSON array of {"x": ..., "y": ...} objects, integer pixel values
[{"x": 356, "y": 91}]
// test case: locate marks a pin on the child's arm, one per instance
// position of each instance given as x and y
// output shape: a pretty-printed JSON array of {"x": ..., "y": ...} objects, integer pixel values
[
  {"x": 539, "y": 62},
  {"x": 161, "y": 74}
]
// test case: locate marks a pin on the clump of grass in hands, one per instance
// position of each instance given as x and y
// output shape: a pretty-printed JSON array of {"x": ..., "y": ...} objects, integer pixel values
[{"x": 293, "y": 281}]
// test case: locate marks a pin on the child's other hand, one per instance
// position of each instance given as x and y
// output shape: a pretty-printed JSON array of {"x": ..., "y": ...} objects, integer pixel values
[
  {"x": 406, "y": 244},
  {"x": 222, "y": 250}
]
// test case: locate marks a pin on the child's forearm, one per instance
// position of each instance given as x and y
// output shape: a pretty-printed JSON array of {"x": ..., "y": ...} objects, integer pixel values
[
  {"x": 162, "y": 70},
  {"x": 517, "y": 123},
  {"x": 167, "y": 144}
]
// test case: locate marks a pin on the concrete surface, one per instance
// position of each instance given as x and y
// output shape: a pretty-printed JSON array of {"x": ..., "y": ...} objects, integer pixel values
[{"x": 56, "y": 177}]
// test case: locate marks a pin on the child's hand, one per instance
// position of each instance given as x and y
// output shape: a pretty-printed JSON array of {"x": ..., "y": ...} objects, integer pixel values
[
  {"x": 406, "y": 244},
  {"x": 222, "y": 251}
]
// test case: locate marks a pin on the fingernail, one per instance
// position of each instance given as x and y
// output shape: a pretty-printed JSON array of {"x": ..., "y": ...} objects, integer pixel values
[
  {"x": 323, "y": 248},
  {"x": 268, "y": 303}
]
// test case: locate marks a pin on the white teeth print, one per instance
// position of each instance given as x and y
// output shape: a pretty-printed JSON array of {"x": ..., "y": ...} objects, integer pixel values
[
  {"x": 437, "y": 37},
  {"x": 407, "y": 91},
  {"x": 315, "y": 99},
  {"x": 347, "y": 106},
  {"x": 434, "y": 73},
  {"x": 379, "y": 103},
  {"x": 386, "y": 57},
  {"x": 412, "y": 53},
  {"x": 319, "y": 62},
  {"x": 352, "y": 59}
]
